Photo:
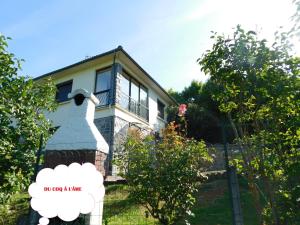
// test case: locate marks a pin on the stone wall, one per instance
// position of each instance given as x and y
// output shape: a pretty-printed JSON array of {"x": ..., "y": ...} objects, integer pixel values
[
  {"x": 114, "y": 130},
  {"x": 105, "y": 126}
]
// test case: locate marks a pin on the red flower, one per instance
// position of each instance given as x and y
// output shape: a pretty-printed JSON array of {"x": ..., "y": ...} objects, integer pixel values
[{"x": 182, "y": 109}]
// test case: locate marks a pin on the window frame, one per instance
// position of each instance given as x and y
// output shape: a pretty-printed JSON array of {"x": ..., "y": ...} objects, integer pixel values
[
  {"x": 96, "y": 76},
  {"x": 131, "y": 79},
  {"x": 127, "y": 77},
  {"x": 65, "y": 83},
  {"x": 139, "y": 86},
  {"x": 159, "y": 102}
]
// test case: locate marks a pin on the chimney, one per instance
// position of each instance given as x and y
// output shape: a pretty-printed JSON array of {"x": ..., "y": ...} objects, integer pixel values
[{"x": 78, "y": 139}]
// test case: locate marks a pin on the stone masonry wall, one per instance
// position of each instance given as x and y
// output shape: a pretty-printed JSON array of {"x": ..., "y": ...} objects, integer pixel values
[{"x": 105, "y": 126}]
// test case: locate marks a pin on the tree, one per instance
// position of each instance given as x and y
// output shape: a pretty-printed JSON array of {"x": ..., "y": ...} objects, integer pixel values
[
  {"x": 258, "y": 91},
  {"x": 22, "y": 103},
  {"x": 164, "y": 175},
  {"x": 202, "y": 112}
]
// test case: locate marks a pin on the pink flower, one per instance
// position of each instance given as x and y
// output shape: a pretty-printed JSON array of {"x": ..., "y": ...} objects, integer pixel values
[{"x": 182, "y": 109}]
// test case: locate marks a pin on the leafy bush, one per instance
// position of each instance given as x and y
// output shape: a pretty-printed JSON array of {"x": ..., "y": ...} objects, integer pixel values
[
  {"x": 164, "y": 175},
  {"x": 22, "y": 103}
]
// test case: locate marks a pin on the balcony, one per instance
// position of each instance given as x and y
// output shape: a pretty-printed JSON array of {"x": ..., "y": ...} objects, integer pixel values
[{"x": 133, "y": 106}]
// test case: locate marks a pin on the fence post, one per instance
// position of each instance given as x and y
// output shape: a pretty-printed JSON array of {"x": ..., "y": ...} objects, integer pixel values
[{"x": 233, "y": 185}]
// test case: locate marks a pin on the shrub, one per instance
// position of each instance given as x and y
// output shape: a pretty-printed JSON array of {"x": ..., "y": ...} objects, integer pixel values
[{"x": 164, "y": 175}]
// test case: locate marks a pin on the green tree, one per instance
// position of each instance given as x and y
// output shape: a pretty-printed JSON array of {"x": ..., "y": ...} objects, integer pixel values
[
  {"x": 164, "y": 175},
  {"x": 202, "y": 112},
  {"x": 22, "y": 103},
  {"x": 258, "y": 91}
]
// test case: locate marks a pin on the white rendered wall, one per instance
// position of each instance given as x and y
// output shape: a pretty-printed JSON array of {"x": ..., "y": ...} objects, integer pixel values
[
  {"x": 85, "y": 79},
  {"x": 155, "y": 122}
]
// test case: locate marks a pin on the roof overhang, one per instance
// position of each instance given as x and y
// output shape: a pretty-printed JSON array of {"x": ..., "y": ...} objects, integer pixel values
[{"x": 108, "y": 56}]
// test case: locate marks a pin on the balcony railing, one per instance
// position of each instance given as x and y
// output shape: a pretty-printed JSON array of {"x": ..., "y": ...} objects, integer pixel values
[
  {"x": 133, "y": 106},
  {"x": 103, "y": 97}
]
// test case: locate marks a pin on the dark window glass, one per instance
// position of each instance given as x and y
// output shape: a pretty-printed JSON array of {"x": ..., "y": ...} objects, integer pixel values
[
  {"x": 103, "y": 81},
  {"x": 63, "y": 90},
  {"x": 161, "y": 109}
]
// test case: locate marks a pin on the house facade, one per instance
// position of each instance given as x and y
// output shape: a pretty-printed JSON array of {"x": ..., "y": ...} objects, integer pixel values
[{"x": 128, "y": 96}]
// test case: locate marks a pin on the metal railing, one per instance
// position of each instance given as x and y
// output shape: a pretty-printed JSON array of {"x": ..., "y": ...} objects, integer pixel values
[
  {"x": 134, "y": 106},
  {"x": 103, "y": 97}
]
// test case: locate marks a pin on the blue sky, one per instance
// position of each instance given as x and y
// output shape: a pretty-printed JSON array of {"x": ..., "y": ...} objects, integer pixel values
[{"x": 165, "y": 37}]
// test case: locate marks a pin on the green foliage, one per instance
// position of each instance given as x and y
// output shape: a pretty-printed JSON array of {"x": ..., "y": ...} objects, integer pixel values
[
  {"x": 120, "y": 208},
  {"x": 189, "y": 94},
  {"x": 164, "y": 175},
  {"x": 17, "y": 206},
  {"x": 202, "y": 112},
  {"x": 258, "y": 90},
  {"x": 22, "y": 103}
]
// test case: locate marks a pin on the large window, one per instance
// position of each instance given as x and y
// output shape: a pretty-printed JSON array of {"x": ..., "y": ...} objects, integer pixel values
[
  {"x": 103, "y": 86},
  {"x": 143, "y": 102},
  {"x": 134, "y": 96},
  {"x": 161, "y": 109},
  {"x": 125, "y": 84},
  {"x": 63, "y": 89}
]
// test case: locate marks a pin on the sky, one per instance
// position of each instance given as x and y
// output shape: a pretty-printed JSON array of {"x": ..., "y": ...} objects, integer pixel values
[{"x": 166, "y": 37}]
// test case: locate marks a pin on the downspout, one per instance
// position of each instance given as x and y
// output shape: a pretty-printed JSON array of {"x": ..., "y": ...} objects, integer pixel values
[
  {"x": 114, "y": 78},
  {"x": 113, "y": 102}
]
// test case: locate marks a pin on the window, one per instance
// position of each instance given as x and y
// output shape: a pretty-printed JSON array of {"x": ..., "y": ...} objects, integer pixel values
[
  {"x": 161, "y": 109},
  {"x": 63, "y": 90},
  {"x": 134, "y": 91},
  {"x": 143, "y": 96},
  {"x": 125, "y": 91},
  {"x": 103, "y": 86},
  {"x": 125, "y": 84},
  {"x": 143, "y": 102},
  {"x": 134, "y": 96},
  {"x": 103, "y": 81}
]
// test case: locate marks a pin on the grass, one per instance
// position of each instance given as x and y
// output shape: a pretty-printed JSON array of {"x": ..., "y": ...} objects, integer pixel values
[
  {"x": 119, "y": 209},
  {"x": 212, "y": 208}
]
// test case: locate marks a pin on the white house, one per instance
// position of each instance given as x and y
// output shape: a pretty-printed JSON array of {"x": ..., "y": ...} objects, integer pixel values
[{"x": 128, "y": 95}]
